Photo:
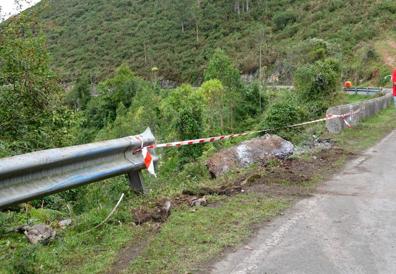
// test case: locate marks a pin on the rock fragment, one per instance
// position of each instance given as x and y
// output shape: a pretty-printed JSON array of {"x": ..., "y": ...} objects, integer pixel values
[{"x": 258, "y": 150}]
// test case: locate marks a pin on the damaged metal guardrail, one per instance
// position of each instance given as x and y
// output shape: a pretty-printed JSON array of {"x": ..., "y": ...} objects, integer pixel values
[{"x": 29, "y": 176}]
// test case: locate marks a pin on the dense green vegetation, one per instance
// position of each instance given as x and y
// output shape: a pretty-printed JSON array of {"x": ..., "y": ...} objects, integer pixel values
[
  {"x": 32, "y": 114},
  {"x": 124, "y": 105},
  {"x": 94, "y": 37},
  {"x": 110, "y": 51}
]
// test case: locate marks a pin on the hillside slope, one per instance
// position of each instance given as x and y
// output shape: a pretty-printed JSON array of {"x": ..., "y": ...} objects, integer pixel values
[{"x": 96, "y": 36}]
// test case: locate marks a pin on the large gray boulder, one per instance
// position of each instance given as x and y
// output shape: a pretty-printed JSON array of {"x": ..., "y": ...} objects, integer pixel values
[{"x": 257, "y": 150}]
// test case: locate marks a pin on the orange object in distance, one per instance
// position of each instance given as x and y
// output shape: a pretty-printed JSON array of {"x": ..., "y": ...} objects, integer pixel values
[{"x": 347, "y": 84}]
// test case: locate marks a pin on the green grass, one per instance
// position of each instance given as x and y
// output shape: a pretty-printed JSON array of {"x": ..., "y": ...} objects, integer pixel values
[
  {"x": 192, "y": 236},
  {"x": 74, "y": 251},
  {"x": 367, "y": 133},
  {"x": 354, "y": 98},
  {"x": 189, "y": 238}
]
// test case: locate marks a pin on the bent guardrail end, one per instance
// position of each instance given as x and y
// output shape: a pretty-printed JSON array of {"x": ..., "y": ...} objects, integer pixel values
[{"x": 37, "y": 174}]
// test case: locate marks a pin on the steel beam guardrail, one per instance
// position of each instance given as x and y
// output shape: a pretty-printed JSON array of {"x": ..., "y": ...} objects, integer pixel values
[
  {"x": 359, "y": 90},
  {"x": 29, "y": 176}
]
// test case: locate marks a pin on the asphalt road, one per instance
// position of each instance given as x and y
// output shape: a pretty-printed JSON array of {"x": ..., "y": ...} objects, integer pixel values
[{"x": 349, "y": 226}]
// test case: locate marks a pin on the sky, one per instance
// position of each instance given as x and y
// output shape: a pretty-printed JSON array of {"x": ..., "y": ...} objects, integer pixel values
[{"x": 9, "y": 7}]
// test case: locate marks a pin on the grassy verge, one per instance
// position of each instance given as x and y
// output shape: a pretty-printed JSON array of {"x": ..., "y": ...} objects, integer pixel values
[
  {"x": 197, "y": 235},
  {"x": 367, "y": 133},
  {"x": 354, "y": 98},
  {"x": 191, "y": 236}
]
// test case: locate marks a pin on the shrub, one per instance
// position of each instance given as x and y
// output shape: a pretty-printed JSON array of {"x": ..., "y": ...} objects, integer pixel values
[
  {"x": 383, "y": 78},
  {"x": 335, "y": 4},
  {"x": 284, "y": 113},
  {"x": 221, "y": 67},
  {"x": 182, "y": 113},
  {"x": 281, "y": 20},
  {"x": 386, "y": 6},
  {"x": 318, "y": 85}
]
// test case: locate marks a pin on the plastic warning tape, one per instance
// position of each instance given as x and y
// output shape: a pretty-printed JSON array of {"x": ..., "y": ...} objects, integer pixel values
[
  {"x": 230, "y": 136},
  {"x": 148, "y": 158}
]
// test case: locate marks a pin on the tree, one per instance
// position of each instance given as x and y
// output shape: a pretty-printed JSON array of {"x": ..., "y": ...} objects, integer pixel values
[
  {"x": 197, "y": 15},
  {"x": 141, "y": 114},
  {"x": 122, "y": 87},
  {"x": 182, "y": 113},
  {"x": 254, "y": 99},
  {"x": 284, "y": 18},
  {"x": 221, "y": 67},
  {"x": 80, "y": 95},
  {"x": 214, "y": 96},
  {"x": 184, "y": 12},
  {"x": 318, "y": 84},
  {"x": 102, "y": 109},
  {"x": 31, "y": 115}
]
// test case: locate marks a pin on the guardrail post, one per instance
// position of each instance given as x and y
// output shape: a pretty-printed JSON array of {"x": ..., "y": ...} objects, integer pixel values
[{"x": 136, "y": 182}]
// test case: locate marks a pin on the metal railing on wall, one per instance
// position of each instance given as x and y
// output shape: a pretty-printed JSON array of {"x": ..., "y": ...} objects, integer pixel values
[{"x": 366, "y": 91}]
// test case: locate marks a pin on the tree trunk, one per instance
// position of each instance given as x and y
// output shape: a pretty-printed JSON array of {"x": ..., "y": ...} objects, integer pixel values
[
  {"x": 145, "y": 53},
  {"x": 237, "y": 7},
  {"x": 197, "y": 19},
  {"x": 260, "y": 65},
  {"x": 197, "y": 30}
]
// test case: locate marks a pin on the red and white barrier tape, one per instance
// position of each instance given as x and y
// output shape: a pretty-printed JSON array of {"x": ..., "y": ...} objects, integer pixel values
[{"x": 148, "y": 159}]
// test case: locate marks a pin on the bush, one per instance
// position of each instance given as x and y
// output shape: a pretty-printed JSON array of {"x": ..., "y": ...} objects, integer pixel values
[
  {"x": 318, "y": 85},
  {"x": 335, "y": 4},
  {"x": 386, "y": 6},
  {"x": 80, "y": 95},
  {"x": 383, "y": 76},
  {"x": 182, "y": 116},
  {"x": 284, "y": 113},
  {"x": 281, "y": 20}
]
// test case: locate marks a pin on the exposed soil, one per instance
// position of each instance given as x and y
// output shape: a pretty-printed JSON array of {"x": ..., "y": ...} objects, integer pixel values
[
  {"x": 287, "y": 180},
  {"x": 159, "y": 213},
  {"x": 387, "y": 52},
  {"x": 127, "y": 255},
  {"x": 290, "y": 176},
  {"x": 283, "y": 178}
]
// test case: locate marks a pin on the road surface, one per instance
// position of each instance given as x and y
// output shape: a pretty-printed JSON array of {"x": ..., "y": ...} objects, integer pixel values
[{"x": 349, "y": 226}]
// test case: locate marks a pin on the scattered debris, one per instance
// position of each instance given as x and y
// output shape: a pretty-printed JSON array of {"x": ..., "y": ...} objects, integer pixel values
[
  {"x": 315, "y": 144},
  {"x": 159, "y": 214},
  {"x": 227, "y": 190},
  {"x": 141, "y": 216},
  {"x": 162, "y": 211},
  {"x": 257, "y": 150},
  {"x": 251, "y": 179},
  {"x": 65, "y": 223},
  {"x": 39, "y": 233},
  {"x": 198, "y": 201},
  {"x": 281, "y": 177}
]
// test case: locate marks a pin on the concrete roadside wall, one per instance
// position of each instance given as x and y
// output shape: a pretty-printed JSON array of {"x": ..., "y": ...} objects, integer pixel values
[{"x": 367, "y": 108}]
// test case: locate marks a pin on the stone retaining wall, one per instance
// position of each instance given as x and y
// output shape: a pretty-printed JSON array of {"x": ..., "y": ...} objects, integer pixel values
[{"x": 367, "y": 108}]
